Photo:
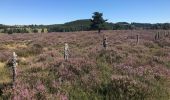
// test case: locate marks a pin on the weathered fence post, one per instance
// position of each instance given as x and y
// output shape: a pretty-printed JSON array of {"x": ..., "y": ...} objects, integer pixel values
[
  {"x": 105, "y": 42},
  {"x": 157, "y": 36},
  {"x": 66, "y": 52},
  {"x": 14, "y": 69}
]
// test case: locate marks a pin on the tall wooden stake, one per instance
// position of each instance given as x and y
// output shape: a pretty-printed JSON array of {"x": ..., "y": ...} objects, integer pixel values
[
  {"x": 14, "y": 67},
  {"x": 66, "y": 52}
]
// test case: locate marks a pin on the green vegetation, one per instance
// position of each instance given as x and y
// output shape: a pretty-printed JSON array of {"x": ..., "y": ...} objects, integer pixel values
[
  {"x": 97, "y": 21},
  {"x": 81, "y": 25}
]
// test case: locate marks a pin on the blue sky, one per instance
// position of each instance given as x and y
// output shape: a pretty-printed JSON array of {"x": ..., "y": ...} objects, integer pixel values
[{"x": 60, "y": 11}]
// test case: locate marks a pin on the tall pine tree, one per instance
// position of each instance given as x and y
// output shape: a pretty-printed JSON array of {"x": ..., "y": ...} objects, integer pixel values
[{"x": 97, "y": 21}]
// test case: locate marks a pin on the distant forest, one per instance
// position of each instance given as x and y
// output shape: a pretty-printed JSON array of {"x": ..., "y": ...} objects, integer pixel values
[{"x": 80, "y": 25}]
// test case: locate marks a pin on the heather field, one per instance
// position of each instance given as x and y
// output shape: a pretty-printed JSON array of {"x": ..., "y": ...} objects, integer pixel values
[{"x": 127, "y": 70}]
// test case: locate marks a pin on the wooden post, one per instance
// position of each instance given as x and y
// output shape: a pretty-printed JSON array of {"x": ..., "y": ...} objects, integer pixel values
[
  {"x": 66, "y": 52},
  {"x": 105, "y": 42},
  {"x": 14, "y": 69},
  {"x": 137, "y": 37},
  {"x": 167, "y": 34}
]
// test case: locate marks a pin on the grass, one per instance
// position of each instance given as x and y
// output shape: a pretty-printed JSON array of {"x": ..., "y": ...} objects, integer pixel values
[
  {"x": 5, "y": 78},
  {"x": 4, "y": 74},
  {"x": 14, "y": 46}
]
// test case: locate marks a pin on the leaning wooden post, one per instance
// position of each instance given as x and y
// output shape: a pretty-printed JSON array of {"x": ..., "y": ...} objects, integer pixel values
[
  {"x": 14, "y": 69},
  {"x": 66, "y": 52},
  {"x": 105, "y": 42}
]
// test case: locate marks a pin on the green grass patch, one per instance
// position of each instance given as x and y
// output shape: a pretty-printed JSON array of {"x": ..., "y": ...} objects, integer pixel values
[{"x": 4, "y": 74}]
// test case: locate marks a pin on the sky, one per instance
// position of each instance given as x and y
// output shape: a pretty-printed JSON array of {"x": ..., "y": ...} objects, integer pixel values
[{"x": 24, "y": 12}]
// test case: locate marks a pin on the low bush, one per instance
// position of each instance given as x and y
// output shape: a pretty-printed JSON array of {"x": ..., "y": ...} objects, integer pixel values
[{"x": 35, "y": 49}]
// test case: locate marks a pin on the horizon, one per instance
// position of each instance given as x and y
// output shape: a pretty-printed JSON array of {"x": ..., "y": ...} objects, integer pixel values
[
  {"x": 19, "y": 12},
  {"x": 77, "y": 20}
]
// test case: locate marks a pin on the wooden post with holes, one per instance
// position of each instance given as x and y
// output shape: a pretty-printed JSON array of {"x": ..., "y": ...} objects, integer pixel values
[{"x": 14, "y": 68}]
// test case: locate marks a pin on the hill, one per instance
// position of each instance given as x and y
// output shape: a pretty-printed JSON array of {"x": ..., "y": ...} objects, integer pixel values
[{"x": 80, "y": 25}]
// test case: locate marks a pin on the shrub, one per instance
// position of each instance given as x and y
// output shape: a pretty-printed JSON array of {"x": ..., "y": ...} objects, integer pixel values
[
  {"x": 35, "y": 49},
  {"x": 150, "y": 44},
  {"x": 123, "y": 88},
  {"x": 111, "y": 56}
]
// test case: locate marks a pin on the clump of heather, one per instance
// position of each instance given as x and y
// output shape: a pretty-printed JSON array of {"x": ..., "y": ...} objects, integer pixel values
[{"x": 124, "y": 88}]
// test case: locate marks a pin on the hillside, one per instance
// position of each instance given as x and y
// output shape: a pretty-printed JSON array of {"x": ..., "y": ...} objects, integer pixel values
[
  {"x": 127, "y": 70},
  {"x": 78, "y": 25},
  {"x": 81, "y": 25}
]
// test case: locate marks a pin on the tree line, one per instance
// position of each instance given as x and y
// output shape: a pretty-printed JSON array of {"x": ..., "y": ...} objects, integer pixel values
[{"x": 97, "y": 22}]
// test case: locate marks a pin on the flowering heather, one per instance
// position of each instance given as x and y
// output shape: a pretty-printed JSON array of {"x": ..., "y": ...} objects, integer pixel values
[
  {"x": 40, "y": 87},
  {"x": 124, "y": 71}
]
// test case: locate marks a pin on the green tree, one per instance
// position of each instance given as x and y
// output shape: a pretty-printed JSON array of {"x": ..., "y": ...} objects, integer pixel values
[
  {"x": 5, "y": 30},
  {"x": 35, "y": 31},
  {"x": 43, "y": 30},
  {"x": 97, "y": 21},
  {"x": 25, "y": 30},
  {"x": 10, "y": 31}
]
